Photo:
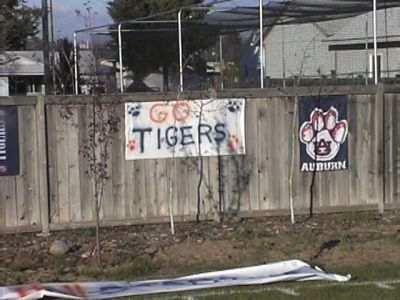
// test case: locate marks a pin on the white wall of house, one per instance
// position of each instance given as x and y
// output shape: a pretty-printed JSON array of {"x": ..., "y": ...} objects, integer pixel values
[
  {"x": 297, "y": 47},
  {"x": 304, "y": 48},
  {"x": 154, "y": 81},
  {"x": 24, "y": 67}
]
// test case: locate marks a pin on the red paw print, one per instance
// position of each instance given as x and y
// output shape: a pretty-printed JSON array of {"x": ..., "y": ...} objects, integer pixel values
[
  {"x": 233, "y": 142},
  {"x": 131, "y": 145},
  {"x": 323, "y": 134}
]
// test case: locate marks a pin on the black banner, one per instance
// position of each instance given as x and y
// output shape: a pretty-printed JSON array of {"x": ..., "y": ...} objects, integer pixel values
[
  {"x": 9, "y": 145},
  {"x": 323, "y": 133}
]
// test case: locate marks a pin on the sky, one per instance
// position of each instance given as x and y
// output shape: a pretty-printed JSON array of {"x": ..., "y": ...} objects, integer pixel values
[{"x": 66, "y": 20}]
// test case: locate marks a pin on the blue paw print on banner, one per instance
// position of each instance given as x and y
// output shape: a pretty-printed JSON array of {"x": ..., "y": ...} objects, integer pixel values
[
  {"x": 234, "y": 106},
  {"x": 134, "y": 109}
]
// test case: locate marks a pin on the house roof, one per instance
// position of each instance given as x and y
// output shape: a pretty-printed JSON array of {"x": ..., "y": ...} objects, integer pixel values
[
  {"x": 90, "y": 63},
  {"x": 21, "y": 63}
]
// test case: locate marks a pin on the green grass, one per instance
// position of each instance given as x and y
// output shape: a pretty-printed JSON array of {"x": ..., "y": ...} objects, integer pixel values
[
  {"x": 301, "y": 291},
  {"x": 396, "y": 221},
  {"x": 355, "y": 218},
  {"x": 138, "y": 267},
  {"x": 309, "y": 292},
  {"x": 370, "y": 272},
  {"x": 364, "y": 285}
]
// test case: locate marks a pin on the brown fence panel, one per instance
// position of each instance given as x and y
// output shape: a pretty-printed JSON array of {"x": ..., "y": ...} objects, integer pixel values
[
  {"x": 392, "y": 150},
  {"x": 256, "y": 183},
  {"x": 253, "y": 184},
  {"x": 22, "y": 196}
]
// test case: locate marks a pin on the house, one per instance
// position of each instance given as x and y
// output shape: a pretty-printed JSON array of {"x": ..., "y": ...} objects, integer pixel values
[
  {"x": 339, "y": 51},
  {"x": 98, "y": 66},
  {"x": 21, "y": 73}
]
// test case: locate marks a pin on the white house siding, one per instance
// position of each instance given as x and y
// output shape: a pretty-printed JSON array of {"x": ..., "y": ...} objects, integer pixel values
[
  {"x": 354, "y": 32},
  {"x": 358, "y": 62},
  {"x": 310, "y": 43},
  {"x": 355, "y": 27},
  {"x": 350, "y": 62},
  {"x": 304, "y": 53}
]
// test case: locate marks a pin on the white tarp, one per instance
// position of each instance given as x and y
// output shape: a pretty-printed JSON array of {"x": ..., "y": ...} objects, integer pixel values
[
  {"x": 184, "y": 128},
  {"x": 291, "y": 270}
]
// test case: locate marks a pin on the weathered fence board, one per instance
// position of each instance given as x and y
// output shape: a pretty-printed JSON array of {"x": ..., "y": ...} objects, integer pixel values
[
  {"x": 52, "y": 166},
  {"x": 8, "y": 198},
  {"x": 86, "y": 184},
  {"x": 74, "y": 170},
  {"x": 251, "y": 160},
  {"x": 19, "y": 195},
  {"x": 139, "y": 190},
  {"x": 122, "y": 209},
  {"x": 61, "y": 127},
  {"x": 392, "y": 149},
  {"x": 181, "y": 187}
]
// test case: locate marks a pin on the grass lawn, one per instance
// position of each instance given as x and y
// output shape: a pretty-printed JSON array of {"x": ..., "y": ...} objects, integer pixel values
[
  {"x": 368, "y": 282},
  {"x": 365, "y": 245}
]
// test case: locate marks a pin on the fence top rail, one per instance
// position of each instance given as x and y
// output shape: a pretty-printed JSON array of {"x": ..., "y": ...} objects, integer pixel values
[
  {"x": 18, "y": 100},
  {"x": 229, "y": 93}
]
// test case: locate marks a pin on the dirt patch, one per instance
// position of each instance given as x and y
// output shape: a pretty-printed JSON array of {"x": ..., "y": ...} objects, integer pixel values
[
  {"x": 133, "y": 252},
  {"x": 202, "y": 253},
  {"x": 356, "y": 254}
]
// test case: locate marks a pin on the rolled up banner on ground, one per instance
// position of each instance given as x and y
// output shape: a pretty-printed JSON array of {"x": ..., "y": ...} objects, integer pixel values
[{"x": 291, "y": 270}]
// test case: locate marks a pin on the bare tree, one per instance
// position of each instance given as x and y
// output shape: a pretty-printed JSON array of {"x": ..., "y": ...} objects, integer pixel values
[
  {"x": 64, "y": 66},
  {"x": 103, "y": 127},
  {"x": 104, "y": 118}
]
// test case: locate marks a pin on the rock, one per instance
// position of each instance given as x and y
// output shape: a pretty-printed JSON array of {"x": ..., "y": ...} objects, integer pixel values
[
  {"x": 59, "y": 248},
  {"x": 34, "y": 249},
  {"x": 86, "y": 254}
]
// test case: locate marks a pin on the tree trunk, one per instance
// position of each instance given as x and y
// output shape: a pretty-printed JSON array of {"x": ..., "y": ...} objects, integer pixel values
[{"x": 99, "y": 194}]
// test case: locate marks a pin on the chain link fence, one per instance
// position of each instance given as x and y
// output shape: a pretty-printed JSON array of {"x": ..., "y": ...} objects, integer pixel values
[{"x": 338, "y": 52}]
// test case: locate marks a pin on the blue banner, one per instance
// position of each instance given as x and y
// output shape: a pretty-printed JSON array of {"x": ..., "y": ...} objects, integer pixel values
[
  {"x": 323, "y": 133},
  {"x": 9, "y": 145}
]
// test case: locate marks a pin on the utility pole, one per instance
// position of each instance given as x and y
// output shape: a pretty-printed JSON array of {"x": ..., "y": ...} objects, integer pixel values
[
  {"x": 375, "y": 44},
  {"x": 46, "y": 48},
  {"x": 180, "y": 51},
  {"x": 261, "y": 46},
  {"x": 53, "y": 60}
]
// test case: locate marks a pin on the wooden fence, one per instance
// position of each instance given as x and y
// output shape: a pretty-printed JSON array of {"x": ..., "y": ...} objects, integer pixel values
[
  {"x": 24, "y": 198},
  {"x": 54, "y": 190},
  {"x": 391, "y": 136}
]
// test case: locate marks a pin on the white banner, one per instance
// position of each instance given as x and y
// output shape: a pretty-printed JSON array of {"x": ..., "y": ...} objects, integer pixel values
[
  {"x": 291, "y": 270},
  {"x": 184, "y": 128}
]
